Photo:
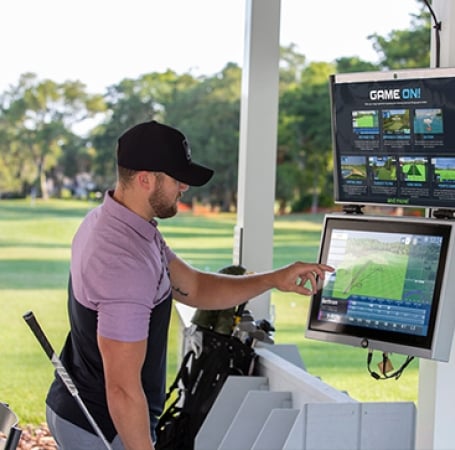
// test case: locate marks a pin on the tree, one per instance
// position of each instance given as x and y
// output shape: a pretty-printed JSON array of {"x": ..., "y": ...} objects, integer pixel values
[
  {"x": 354, "y": 64},
  {"x": 37, "y": 117},
  {"x": 12, "y": 161},
  {"x": 292, "y": 64},
  {"x": 208, "y": 113},
  {"x": 406, "y": 48},
  {"x": 304, "y": 169},
  {"x": 304, "y": 146}
]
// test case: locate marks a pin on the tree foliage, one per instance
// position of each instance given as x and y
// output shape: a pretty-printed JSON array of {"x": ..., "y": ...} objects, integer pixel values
[
  {"x": 406, "y": 49},
  {"x": 304, "y": 151},
  {"x": 214, "y": 130},
  {"x": 39, "y": 119},
  {"x": 37, "y": 116}
]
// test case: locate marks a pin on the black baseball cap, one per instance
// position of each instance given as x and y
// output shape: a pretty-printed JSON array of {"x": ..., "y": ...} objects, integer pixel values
[{"x": 156, "y": 147}]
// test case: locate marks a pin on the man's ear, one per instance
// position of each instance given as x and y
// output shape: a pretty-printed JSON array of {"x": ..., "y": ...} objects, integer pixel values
[{"x": 146, "y": 180}]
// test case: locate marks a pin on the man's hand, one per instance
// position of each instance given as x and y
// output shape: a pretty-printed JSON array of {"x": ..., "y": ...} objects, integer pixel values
[{"x": 300, "y": 277}]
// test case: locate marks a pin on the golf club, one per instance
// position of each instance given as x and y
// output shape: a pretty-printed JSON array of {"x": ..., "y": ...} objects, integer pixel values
[{"x": 30, "y": 318}]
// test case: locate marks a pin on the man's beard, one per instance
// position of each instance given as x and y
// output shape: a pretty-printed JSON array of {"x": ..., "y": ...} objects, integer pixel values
[{"x": 161, "y": 206}]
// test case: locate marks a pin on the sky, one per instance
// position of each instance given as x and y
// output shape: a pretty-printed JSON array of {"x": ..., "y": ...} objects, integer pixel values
[{"x": 101, "y": 42}]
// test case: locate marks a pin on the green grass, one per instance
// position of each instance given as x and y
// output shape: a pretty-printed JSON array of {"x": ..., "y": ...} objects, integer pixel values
[{"x": 34, "y": 259}]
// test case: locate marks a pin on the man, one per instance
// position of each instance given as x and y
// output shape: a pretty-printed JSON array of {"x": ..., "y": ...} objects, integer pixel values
[{"x": 123, "y": 278}]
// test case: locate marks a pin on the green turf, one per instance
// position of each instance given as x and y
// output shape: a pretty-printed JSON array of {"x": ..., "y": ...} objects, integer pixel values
[
  {"x": 385, "y": 174},
  {"x": 445, "y": 174},
  {"x": 415, "y": 172},
  {"x": 364, "y": 272},
  {"x": 35, "y": 241},
  {"x": 365, "y": 121}
]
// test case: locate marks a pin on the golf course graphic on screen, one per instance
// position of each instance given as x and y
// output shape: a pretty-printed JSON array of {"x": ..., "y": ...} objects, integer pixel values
[
  {"x": 365, "y": 121},
  {"x": 396, "y": 121},
  {"x": 354, "y": 167},
  {"x": 444, "y": 169},
  {"x": 428, "y": 121},
  {"x": 383, "y": 168},
  {"x": 382, "y": 267},
  {"x": 414, "y": 168}
]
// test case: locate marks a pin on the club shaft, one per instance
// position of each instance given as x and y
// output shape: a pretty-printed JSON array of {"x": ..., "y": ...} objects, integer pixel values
[{"x": 30, "y": 319}]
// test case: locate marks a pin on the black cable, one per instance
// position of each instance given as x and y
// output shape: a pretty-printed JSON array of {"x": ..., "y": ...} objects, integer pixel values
[
  {"x": 369, "y": 359},
  {"x": 437, "y": 27},
  {"x": 397, "y": 374}
]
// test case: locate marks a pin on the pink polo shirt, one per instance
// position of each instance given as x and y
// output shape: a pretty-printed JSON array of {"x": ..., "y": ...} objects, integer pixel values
[{"x": 119, "y": 269}]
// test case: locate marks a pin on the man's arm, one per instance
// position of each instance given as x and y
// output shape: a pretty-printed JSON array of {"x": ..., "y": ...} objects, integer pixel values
[
  {"x": 219, "y": 291},
  {"x": 125, "y": 396}
]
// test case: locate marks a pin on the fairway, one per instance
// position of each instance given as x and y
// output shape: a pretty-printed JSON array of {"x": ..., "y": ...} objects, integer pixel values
[
  {"x": 396, "y": 121},
  {"x": 365, "y": 121},
  {"x": 445, "y": 175},
  {"x": 385, "y": 173},
  {"x": 35, "y": 241},
  {"x": 414, "y": 172},
  {"x": 370, "y": 276}
]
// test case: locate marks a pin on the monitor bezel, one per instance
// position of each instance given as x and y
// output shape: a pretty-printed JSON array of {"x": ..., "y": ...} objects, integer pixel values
[{"x": 387, "y": 341}]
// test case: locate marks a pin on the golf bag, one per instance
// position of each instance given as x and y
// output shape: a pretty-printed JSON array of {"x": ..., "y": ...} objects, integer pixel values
[{"x": 200, "y": 378}]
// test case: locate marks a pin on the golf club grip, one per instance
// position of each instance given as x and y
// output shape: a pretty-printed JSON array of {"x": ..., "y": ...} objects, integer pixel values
[{"x": 30, "y": 318}]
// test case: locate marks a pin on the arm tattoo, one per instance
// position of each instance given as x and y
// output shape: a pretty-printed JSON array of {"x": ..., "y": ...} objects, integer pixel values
[{"x": 179, "y": 291}]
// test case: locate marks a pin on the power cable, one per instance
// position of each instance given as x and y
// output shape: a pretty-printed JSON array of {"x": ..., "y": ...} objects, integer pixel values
[
  {"x": 385, "y": 363},
  {"x": 437, "y": 26}
]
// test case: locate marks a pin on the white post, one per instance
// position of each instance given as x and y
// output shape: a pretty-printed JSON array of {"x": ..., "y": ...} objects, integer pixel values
[
  {"x": 436, "y": 399},
  {"x": 258, "y": 140}
]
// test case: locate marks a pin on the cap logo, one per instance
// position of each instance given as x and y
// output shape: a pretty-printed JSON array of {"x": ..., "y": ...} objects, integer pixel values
[{"x": 187, "y": 148}]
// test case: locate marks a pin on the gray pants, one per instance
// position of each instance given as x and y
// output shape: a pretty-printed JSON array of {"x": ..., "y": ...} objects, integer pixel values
[{"x": 71, "y": 437}]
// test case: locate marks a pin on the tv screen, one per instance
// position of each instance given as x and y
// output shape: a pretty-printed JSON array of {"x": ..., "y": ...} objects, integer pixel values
[
  {"x": 392, "y": 287},
  {"x": 394, "y": 138}
]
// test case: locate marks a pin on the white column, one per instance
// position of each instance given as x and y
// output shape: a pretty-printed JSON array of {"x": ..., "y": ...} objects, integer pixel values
[
  {"x": 258, "y": 141},
  {"x": 436, "y": 399}
]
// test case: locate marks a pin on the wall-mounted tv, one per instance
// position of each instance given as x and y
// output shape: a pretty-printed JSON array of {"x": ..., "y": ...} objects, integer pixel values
[
  {"x": 393, "y": 287},
  {"x": 394, "y": 138}
]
